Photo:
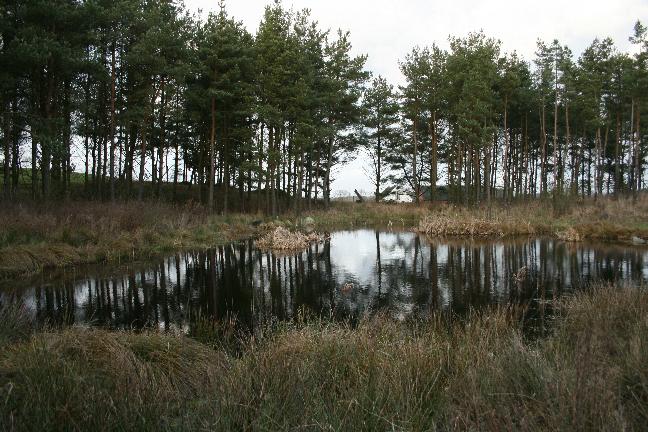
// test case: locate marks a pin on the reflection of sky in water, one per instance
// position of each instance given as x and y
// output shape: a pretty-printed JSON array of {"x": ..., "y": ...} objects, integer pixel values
[
  {"x": 343, "y": 277},
  {"x": 354, "y": 253}
]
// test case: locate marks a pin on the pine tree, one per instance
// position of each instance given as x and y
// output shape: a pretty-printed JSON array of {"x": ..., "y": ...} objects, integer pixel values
[
  {"x": 380, "y": 122},
  {"x": 344, "y": 77},
  {"x": 472, "y": 71}
]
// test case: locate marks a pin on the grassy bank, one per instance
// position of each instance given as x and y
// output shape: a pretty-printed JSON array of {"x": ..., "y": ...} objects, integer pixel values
[
  {"x": 34, "y": 237},
  {"x": 605, "y": 219},
  {"x": 477, "y": 375}
]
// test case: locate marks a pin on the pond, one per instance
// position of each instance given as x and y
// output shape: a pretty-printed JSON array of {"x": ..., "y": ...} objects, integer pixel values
[{"x": 352, "y": 274}]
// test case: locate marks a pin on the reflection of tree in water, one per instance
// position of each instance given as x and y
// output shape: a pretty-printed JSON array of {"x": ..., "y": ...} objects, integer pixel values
[
  {"x": 401, "y": 272},
  {"x": 257, "y": 286}
]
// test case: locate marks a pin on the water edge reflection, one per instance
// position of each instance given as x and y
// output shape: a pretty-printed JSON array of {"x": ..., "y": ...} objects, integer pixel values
[{"x": 351, "y": 274}]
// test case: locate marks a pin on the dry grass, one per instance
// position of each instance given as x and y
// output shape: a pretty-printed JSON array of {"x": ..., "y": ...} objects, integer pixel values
[
  {"x": 35, "y": 237},
  {"x": 477, "y": 374},
  {"x": 353, "y": 215},
  {"x": 571, "y": 234},
  {"x": 282, "y": 239},
  {"x": 605, "y": 219},
  {"x": 443, "y": 225}
]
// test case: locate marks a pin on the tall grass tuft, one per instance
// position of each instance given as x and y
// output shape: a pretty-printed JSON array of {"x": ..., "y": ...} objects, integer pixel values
[
  {"x": 479, "y": 373},
  {"x": 97, "y": 380},
  {"x": 282, "y": 239},
  {"x": 15, "y": 324}
]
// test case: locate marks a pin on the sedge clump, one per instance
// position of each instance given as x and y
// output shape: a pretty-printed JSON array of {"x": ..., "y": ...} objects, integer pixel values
[{"x": 283, "y": 239}]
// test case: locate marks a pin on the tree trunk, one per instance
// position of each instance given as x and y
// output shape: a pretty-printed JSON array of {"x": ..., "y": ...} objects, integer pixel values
[
  {"x": 275, "y": 177},
  {"x": 327, "y": 177},
  {"x": 112, "y": 123},
  {"x": 543, "y": 170},
  {"x": 378, "y": 164},
  {"x": 525, "y": 156},
  {"x": 147, "y": 120},
  {"x": 555, "y": 134},
  {"x": 140, "y": 192},
  {"x": 34, "y": 164},
  {"x": 15, "y": 156},
  {"x": 433, "y": 158},
  {"x": 617, "y": 155},
  {"x": 176, "y": 164},
  {"x": 226, "y": 168},
  {"x": 260, "y": 175},
  {"x": 212, "y": 155},
  {"x": 417, "y": 191},
  {"x": 300, "y": 184},
  {"x": 567, "y": 140},
  {"x": 637, "y": 185},
  {"x": 162, "y": 137},
  {"x": 46, "y": 144},
  {"x": 597, "y": 165},
  {"x": 505, "y": 160},
  {"x": 487, "y": 169},
  {"x": 67, "y": 132},
  {"x": 7, "y": 149}
]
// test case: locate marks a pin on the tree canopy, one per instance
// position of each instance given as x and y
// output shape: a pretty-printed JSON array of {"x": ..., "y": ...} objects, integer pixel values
[{"x": 139, "y": 99}]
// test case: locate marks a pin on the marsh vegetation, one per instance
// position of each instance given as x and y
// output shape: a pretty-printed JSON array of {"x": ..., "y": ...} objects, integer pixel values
[
  {"x": 479, "y": 373},
  {"x": 38, "y": 236},
  {"x": 172, "y": 258}
]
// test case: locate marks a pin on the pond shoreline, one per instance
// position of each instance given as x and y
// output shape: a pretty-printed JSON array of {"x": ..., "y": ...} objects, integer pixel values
[
  {"x": 37, "y": 237},
  {"x": 352, "y": 274}
]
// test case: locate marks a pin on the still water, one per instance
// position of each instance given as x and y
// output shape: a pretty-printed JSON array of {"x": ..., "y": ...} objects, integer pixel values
[{"x": 353, "y": 273}]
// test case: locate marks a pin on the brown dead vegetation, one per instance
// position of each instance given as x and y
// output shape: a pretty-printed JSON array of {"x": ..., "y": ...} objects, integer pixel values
[
  {"x": 282, "y": 239},
  {"x": 605, "y": 219},
  {"x": 480, "y": 374},
  {"x": 33, "y": 237}
]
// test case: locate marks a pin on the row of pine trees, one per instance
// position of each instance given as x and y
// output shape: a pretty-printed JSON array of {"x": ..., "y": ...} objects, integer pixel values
[
  {"x": 498, "y": 125},
  {"x": 139, "y": 99}
]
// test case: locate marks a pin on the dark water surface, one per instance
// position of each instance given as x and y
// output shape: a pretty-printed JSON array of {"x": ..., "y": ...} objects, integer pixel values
[{"x": 353, "y": 273}]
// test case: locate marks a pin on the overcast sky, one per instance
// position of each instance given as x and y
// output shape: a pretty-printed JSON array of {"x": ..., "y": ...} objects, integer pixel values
[{"x": 387, "y": 30}]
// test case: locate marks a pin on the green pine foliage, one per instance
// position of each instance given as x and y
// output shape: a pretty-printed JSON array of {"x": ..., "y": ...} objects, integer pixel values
[{"x": 145, "y": 100}]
